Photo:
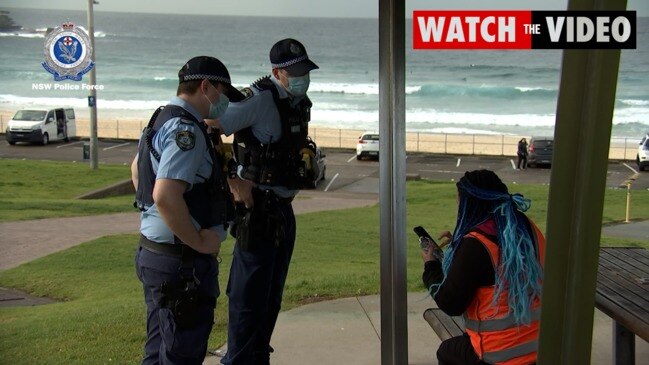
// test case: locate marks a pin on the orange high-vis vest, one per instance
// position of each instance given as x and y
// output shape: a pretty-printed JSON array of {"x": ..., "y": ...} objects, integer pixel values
[{"x": 495, "y": 336}]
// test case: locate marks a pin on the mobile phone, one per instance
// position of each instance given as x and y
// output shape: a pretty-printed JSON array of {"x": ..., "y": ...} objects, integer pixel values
[{"x": 425, "y": 240}]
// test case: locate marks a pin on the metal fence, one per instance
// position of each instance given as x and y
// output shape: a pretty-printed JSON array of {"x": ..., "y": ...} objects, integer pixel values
[{"x": 621, "y": 148}]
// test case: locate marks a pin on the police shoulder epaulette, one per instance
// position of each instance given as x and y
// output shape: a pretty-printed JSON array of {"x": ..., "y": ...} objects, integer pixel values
[
  {"x": 184, "y": 120},
  {"x": 247, "y": 93},
  {"x": 261, "y": 80}
]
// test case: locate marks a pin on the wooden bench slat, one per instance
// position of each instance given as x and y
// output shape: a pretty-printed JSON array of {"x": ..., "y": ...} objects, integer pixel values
[
  {"x": 624, "y": 287},
  {"x": 635, "y": 256},
  {"x": 608, "y": 260},
  {"x": 617, "y": 313}
]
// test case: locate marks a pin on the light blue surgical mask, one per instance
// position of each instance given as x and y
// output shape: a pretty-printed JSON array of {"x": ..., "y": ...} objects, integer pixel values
[
  {"x": 298, "y": 86},
  {"x": 218, "y": 109}
]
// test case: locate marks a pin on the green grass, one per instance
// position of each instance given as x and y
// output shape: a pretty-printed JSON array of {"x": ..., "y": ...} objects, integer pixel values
[
  {"x": 44, "y": 189},
  {"x": 101, "y": 318}
]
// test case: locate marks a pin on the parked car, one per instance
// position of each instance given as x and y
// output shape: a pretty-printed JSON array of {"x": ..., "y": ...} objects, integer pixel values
[
  {"x": 320, "y": 167},
  {"x": 540, "y": 151},
  {"x": 367, "y": 146},
  {"x": 41, "y": 126},
  {"x": 642, "y": 158}
]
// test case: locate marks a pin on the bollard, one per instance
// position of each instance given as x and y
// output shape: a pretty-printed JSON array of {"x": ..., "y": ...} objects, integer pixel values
[
  {"x": 628, "y": 202},
  {"x": 86, "y": 151}
]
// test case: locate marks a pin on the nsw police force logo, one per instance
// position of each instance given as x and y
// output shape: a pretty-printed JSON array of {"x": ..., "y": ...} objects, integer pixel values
[{"x": 68, "y": 53}]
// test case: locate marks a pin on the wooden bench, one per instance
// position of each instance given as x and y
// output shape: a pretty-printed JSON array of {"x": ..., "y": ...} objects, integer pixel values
[
  {"x": 623, "y": 294},
  {"x": 444, "y": 326}
]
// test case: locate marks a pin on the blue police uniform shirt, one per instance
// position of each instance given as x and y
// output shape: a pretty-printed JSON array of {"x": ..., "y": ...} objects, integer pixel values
[
  {"x": 260, "y": 113},
  {"x": 192, "y": 166}
]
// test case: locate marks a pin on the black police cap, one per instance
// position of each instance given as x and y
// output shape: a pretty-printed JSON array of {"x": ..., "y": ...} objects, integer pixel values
[
  {"x": 291, "y": 55},
  {"x": 206, "y": 67}
]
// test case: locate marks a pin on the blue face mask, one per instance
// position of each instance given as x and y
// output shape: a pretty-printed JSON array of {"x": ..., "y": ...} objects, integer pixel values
[
  {"x": 298, "y": 86},
  {"x": 218, "y": 109}
]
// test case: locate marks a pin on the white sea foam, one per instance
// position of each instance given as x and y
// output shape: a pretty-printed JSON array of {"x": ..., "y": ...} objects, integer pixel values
[
  {"x": 359, "y": 89},
  {"x": 634, "y": 102},
  {"x": 350, "y": 116}
]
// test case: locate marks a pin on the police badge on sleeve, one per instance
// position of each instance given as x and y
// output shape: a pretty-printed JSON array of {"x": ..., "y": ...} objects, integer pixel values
[{"x": 68, "y": 53}]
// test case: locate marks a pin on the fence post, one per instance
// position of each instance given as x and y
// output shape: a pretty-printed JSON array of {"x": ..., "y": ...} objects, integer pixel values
[
  {"x": 502, "y": 145},
  {"x": 473, "y": 148},
  {"x": 417, "y": 141},
  {"x": 625, "y": 140},
  {"x": 340, "y": 138},
  {"x": 140, "y": 125},
  {"x": 315, "y": 133},
  {"x": 117, "y": 128},
  {"x": 445, "y": 142}
]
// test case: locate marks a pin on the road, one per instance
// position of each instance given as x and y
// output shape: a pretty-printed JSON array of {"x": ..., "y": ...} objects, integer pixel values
[{"x": 344, "y": 172}]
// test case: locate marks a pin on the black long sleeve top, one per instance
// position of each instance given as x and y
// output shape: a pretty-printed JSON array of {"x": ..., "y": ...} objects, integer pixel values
[{"x": 470, "y": 269}]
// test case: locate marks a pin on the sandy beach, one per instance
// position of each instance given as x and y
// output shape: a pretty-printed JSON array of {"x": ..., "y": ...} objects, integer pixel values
[{"x": 454, "y": 144}]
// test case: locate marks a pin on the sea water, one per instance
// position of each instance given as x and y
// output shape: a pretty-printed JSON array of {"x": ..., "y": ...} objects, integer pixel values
[{"x": 483, "y": 92}]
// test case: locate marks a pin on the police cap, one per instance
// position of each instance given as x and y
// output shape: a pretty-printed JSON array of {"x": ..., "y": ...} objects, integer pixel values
[
  {"x": 291, "y": 55},
  {"x": 206, "y": 67}
]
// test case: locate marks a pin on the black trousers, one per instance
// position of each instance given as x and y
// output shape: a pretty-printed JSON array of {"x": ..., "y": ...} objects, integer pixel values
[
  {"x": 521, "y": 158},
  {"x": 458, "y": 351}
]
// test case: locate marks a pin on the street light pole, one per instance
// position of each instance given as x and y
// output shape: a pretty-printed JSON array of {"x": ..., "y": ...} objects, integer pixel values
[{"x": 92, "y": 99}]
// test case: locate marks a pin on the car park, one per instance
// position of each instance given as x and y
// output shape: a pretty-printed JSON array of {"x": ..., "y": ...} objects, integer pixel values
[
  {"x": 540, "y": 151},
  {"x": 41, "y": 126},
  {"x": 642, "y": 158},
  {"x": 368, "y": 145}
]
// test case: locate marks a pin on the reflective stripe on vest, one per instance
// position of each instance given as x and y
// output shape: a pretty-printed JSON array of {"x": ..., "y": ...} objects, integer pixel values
[
  {"x": 510, "y": 353},
  {"x": 498, "y": 324}
]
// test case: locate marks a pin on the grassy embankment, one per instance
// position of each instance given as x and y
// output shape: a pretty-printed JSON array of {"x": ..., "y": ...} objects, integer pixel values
[{"x": 100, "y": 318}]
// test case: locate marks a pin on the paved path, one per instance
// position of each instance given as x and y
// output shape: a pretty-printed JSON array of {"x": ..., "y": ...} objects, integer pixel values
[{"x": 24, "y": 241}]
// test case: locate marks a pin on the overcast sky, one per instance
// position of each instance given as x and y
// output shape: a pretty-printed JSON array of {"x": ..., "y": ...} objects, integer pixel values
[{"x": 300, "y": 8}]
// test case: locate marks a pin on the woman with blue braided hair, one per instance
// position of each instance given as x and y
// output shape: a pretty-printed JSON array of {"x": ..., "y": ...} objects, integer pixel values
[{"x": 491, "y": 275}]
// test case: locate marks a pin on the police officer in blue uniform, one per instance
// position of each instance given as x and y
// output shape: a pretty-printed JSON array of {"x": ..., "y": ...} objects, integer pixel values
[
  {"x": 271, "y": 150},
  {"x": 184, "y": 198}
]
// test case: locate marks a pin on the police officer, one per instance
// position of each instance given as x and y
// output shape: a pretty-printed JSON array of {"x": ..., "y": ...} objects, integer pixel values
[
  {"x": 272, "y": 163},
  {"x": 183, "y": 195}
]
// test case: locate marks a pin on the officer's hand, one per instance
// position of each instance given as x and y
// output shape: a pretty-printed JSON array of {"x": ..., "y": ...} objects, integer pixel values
[
  {"x": 445, "y": 238},
  {"x": 214, "y": 125},
  {"x": 242, "y": 191},
  {"x": 427, "y": 254},
  {"x": 210, "y": 241}
]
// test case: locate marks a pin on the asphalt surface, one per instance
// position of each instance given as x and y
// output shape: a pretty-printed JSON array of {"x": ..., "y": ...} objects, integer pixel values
[{"x": 344, "y": 172}]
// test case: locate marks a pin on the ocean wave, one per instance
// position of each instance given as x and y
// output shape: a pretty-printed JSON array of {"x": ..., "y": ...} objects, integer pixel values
[
  {"x": 40, "y": 33},
  {"x": 487, "y": 91},
  {"x": 633, "y": 102},
  {"x": 343, "y": 115},
  {"x": 18, "y": 102}
]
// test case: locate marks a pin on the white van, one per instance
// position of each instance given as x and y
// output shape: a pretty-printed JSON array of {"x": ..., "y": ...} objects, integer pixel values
[{"x": 41, "y": 126}]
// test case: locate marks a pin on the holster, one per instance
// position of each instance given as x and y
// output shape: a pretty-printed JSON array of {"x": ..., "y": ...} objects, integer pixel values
[
  {"x": 184, "y": 301},
  {"x": 262, "y": 225}
]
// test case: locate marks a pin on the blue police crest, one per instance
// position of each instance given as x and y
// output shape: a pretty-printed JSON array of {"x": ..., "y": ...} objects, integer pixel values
[{"x": 68, "y": 53}]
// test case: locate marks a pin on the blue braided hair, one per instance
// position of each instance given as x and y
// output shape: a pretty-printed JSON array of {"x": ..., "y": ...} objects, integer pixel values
[{"x": 483, "y": 196}]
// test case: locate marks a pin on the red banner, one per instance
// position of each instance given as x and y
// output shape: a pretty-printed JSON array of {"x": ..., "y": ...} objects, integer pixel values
[{"x": 472, "y": 29}]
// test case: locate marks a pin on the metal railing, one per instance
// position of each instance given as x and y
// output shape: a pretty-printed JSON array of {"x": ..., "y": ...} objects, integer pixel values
[{"x": 621, "y": 148}]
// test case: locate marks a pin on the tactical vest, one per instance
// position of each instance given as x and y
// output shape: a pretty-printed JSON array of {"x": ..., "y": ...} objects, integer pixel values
[
  {"x": 495, "y": 336},
  {"x": 287, "y": 161},
  {"x": 209, "y": 202}
]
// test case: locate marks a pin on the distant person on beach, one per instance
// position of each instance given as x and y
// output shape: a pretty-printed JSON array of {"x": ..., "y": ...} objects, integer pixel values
[
  {"x": 184, "y": 198},
  {"x": 522, "y": 154},
  {"x": 270, "y": 147},
  {"x": 491, "y": 274}
]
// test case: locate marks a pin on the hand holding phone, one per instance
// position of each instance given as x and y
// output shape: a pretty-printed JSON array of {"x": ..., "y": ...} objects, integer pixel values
[{"x": 425, "y": 241}]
